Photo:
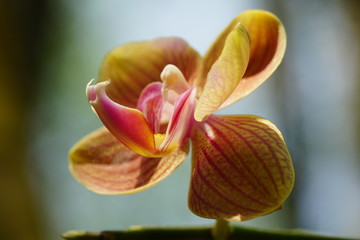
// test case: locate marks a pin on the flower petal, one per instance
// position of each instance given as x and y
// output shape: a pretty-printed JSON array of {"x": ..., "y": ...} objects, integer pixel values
[
  {"x": 151, "y": 104},
  {"x": 226, "y": 72},
  {"x": 268, "y": 43},
  {"x": 181, "y": 121},
  {"x": 101, "y": 163},
  {"x": 173, "y": 79},
  {"x": 128, "y": 125},
  {"x": 132, "y": 66},
  {"x": 241, "y": 168}
]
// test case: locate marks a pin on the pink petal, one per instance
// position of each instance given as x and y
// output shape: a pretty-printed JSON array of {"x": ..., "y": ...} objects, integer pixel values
[
  {"x": 151, "y": 104},
  {"x": 128, "y": 125},
  {"x": 181, "y": 121},
  {"x": 241, "y": 168},
  {"x": 101, "y": 163}
]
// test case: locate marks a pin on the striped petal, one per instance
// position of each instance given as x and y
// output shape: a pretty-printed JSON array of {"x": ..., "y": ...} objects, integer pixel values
[
  {"x": 104, "y": 165},
  {"x": 268, "y": 43},
  {"x": 128, "y": 125},
  {"x": 181, "y": 121},
  {"x": 241, "y": 168},
  {"x": 133, "y": 66},
  {"x": 225, "y": 73},
  {"x": 151, "y": 104}
]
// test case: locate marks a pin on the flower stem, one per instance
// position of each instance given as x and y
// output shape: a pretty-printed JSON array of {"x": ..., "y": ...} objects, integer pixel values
[
  {"x": 196, "y": 233},
  {"x": 221, "y": 230}
]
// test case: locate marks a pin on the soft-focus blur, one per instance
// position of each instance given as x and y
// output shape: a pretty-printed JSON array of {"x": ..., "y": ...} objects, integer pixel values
[{"x": 50, "y": 49}]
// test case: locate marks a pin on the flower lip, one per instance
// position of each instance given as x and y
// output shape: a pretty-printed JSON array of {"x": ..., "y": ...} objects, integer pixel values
[
  {"x": 128, "y": 125},
  {"x": 139, "y": 128},
  {"x": 90, "y": 91}
]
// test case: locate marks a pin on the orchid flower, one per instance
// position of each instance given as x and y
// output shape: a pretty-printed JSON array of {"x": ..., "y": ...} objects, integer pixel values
[{"x": 155, "y": 98}]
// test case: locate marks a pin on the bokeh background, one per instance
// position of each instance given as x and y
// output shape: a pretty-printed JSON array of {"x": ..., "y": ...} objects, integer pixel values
[{"x": 50, "y": 49}]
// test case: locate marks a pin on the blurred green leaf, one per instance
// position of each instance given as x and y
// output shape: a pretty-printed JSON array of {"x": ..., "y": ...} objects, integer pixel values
[{"x": 196, "y": 233}]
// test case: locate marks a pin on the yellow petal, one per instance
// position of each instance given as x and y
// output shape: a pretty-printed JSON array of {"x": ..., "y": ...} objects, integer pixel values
[
  {"x": 241, "y": 168},
  {"x": 268, "y": 43},
  {"x": 132, "y": 66},
  {"x": 101, "y": 163},
  {"x": 225, "y": 73}
]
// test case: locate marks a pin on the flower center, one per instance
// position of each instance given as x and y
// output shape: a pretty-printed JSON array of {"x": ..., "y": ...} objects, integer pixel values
[
  {"x": 168, "y": 107},
  {"x": 174, "y": 83}
]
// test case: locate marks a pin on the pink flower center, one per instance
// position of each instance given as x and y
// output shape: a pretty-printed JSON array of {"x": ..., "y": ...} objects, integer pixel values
[{"x": 168, "y": 107}]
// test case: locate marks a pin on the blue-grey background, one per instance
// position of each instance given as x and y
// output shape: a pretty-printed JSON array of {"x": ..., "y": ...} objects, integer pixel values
[{"x": 312, "y": 98}]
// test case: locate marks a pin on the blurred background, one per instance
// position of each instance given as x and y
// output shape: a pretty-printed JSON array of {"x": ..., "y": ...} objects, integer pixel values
[{"x": 49, "y": 50}]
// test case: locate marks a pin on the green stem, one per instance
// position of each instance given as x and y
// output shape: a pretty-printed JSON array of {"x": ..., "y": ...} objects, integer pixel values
[
  {"x": 221, "y": 230},
  {"x": 195, "y": 233}
]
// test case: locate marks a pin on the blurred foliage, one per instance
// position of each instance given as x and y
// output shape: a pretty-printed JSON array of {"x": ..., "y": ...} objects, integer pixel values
[
  {"x": 21, "y": 30},
  {"x": 196, "y": 233}
]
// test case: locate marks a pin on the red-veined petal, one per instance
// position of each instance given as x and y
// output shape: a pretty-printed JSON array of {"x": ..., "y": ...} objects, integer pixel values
[
  {"x": 241, "y": 168},
  {"x": 225, "y": 73},
  {"x": 151, "y": 104},
  {"x": 133, "y": 66},
  {"x": 101, "y": 163},
  {"x": 181, "y": 121}
]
